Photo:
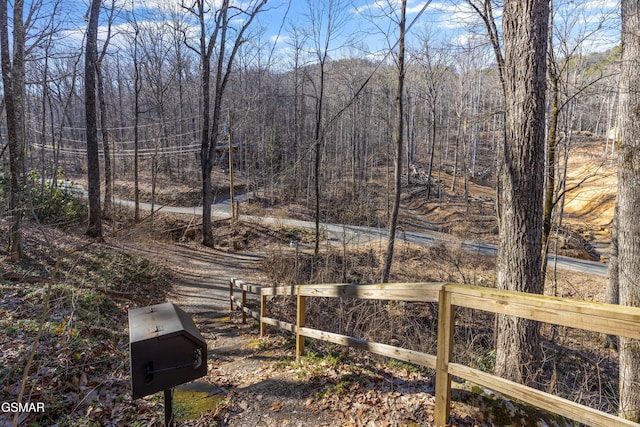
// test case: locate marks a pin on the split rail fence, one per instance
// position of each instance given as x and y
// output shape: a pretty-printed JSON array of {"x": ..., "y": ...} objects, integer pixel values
[{"x": 590, "y": 316}]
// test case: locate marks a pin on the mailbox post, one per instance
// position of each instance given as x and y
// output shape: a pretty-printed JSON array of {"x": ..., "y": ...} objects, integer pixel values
[{"x": 166, "y": 350}]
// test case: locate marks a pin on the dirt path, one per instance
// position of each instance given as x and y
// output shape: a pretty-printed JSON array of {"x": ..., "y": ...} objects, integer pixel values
[
  {"x": 253, "y": 381},
  {"x": 245, "y": 385},
  {"x": 203, "y": 274}
]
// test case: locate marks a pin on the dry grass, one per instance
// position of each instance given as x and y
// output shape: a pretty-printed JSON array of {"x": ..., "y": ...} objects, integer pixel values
[{"x": 576, "y": 365}]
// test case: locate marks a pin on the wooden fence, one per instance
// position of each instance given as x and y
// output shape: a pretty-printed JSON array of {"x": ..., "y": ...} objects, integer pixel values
[{"x": 589, "y": 316}]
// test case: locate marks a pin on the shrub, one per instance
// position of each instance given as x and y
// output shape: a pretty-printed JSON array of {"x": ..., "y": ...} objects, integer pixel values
[{"x": 55, "y": 201}]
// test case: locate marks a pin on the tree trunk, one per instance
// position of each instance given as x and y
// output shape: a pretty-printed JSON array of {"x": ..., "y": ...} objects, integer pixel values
[
  {"x": 316, "y": 164},
  {"x": 211, "y": 114},
  {"x": 205, "y": 165},
  {"x": 612, "y": 295},
  {"x": 137, "y": 88},
  {"x": 629, "y": 204},
  {"x": 432, "y": 149},
  {"x": 93, "y": 159},
  {"x": 525, "y": 34},
  {"x": 106, "y": 148},
  {"x": 393, "y": 220},
  {"x": 13, "y": 82}
]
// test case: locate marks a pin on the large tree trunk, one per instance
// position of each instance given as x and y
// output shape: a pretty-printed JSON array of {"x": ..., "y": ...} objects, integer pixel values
[
  {"x": 629, "y": 204},
  {"x": 525, "y": 34},
  {"x": 93, "y": 158}
]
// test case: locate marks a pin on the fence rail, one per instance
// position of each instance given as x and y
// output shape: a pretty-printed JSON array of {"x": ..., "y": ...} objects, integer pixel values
[{"x": 589, "y": 316}]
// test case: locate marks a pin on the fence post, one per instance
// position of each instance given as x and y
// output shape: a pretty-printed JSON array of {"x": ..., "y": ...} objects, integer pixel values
[
  {"x": 446, "y": 323},
  {"x": 263, "y": 313},
  {"x": 231, "y": 294},
  {"x": 244, "y": 304},
  {"x": 300, "y": 319}
]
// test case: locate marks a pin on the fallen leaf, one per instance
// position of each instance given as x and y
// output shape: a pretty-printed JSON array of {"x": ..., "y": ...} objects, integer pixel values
[
  {"x": 83, "y": 379},
  {"x": 277, "y": 406}
]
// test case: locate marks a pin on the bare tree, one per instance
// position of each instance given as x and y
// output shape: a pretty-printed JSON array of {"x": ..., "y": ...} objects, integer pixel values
[
  {"x": 433, "y": 68},
  {"x": 91, "y": 120},
  {"x": 399, "y": 141},
  {"x": 225, "y": 40},
  {"x": 106, "y": 147},
  {"x": 16, "y": 102},
  {"x": 522, "y": 71},
  {"x": 297, "y": 41},
  {"x": 628, "y": 232},
  {"x": 137, "y": 88},
  {"x": 13, "y": 85},
  {"x": 521, "y": 183},
  {"x": 561, "y": 57},
  {"x": 327, "y": 20}
]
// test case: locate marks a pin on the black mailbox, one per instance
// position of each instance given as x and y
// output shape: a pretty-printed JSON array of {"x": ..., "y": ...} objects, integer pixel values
[{"x": 166, "y": 349}]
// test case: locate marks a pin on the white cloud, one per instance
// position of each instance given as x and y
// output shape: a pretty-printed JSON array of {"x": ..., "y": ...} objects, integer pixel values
[
  {"x": 598, "y": 4},
  {"x": 386, "y": 6},
  {"x": 456, "y": 16},
  {"x": 416, "y": 8},
  {"x": 279, "y": 39}
]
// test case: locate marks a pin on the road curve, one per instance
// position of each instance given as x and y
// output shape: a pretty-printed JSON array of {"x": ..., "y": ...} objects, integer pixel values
[{"x": 340, "y": 234}]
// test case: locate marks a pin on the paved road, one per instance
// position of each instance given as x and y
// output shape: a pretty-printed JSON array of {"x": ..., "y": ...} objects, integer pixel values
[{"x": 339, "y": 234}]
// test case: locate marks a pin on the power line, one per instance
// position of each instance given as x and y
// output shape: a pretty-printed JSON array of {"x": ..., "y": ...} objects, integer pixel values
[
  {"x": 140, "y": 141},
  {"x": 132, "y": 126},
  {"x": 144, "y": 152}
]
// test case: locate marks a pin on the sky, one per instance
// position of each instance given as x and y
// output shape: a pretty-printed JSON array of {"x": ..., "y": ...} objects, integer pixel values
[
  {"x": 453, "y": 24},
  {"x": 369, "y": 27}
]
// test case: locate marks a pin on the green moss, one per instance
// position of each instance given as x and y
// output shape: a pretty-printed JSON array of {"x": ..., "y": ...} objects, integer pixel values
[
  {"x": 191, "y": 404},
  {"x": 409, "y": 367}
]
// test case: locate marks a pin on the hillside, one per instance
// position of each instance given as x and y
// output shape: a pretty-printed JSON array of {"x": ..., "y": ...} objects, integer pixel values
[
  {"x": 96, "y": 283},
  {"x": 251, "y": 381}
]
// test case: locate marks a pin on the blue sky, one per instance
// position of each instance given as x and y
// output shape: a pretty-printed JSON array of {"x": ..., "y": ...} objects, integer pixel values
[{"x": 450, "y": 23}]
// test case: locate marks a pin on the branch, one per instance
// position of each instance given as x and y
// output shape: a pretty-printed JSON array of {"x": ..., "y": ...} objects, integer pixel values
[
  {"x": 576, "y": 186},
  {"x": 570, "y": 98},
  {"x": 490, "y": 24}
]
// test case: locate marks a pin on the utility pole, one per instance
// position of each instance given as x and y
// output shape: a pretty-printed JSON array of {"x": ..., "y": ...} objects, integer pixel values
[{"x": 234, "y": 213}]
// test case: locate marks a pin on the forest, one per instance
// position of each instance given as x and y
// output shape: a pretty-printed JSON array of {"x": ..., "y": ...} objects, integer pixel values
[
  {"x": 330, "y": 110},
  {"x": 277, "y": 98}
]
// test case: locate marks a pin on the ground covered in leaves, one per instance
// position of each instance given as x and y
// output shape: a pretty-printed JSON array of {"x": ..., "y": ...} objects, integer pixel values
[
  {"x": 64, "y": 320},
  {"x": 63, "y": 317},
  {"x": 77, "y": 294},
  {"x": 258, "y": 382}
]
